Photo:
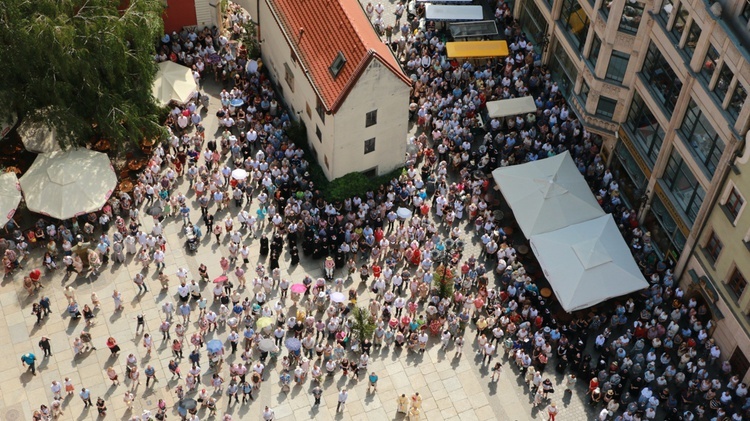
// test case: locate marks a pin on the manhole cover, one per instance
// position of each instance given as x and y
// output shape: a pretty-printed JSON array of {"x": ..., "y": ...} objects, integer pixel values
[{"x": 12, "y": 414}]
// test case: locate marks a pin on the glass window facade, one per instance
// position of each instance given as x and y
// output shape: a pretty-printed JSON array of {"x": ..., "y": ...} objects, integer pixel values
[
  {"x": 563, "y": 70},
  {"x": 584, "y": 95},
  {"x": 709, "y": 64},
  {"x": 618, "y": 63},
  {"x": 629, "y": 175},
  {"x": 722, "y": 84},
  {"x": 648, "y": 135},
  {"x": 575, "y": 21},
  {"x": 679, "y": 23},
  {"x": 596, "y": 46},
  {"x": 631, "y": 17},
  {"x": 661, "y": 79},
  {"x": 694, "y": 35},
  {"x": 605, "y": 108},
  {"x": 665, "y": 235},
  {"x": 681, "y": 183},
  {"x": 665, "y": 13},
  {"x": 701, "y": 138},
  {"x": 532, "y": 20},
  {"x": 738, "y": 100}
]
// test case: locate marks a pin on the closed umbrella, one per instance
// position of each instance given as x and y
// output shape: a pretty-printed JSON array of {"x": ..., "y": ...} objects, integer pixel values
[
  {"x": 266, "y": 345},
  {"x": 293, "y": 344},
  {"x": 214, "y": 345},
  {"x": 298, "y": 288},
  {"x": 263, "y": 322},
  {"x": 65, "y": 184},
  {"x": 337, "y": 297},
  {"x": 173, "y": 82},
  {"x": 10, "y": 196}
]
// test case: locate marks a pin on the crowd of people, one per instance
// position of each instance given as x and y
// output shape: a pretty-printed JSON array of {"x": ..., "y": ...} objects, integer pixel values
[{"x": 646, "y": 356}]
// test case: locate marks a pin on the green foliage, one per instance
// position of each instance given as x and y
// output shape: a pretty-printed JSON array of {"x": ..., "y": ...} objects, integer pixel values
[
  {"x": 363, "y": 327},
  {"x": 82, "y": 66},
  {"x": 250, "y": 40},
  {"x": 357, "y": 184},
  {"x": 442, "y": 281}
]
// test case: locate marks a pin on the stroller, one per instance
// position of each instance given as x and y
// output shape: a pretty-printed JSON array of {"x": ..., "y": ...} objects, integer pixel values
[{"x": 191, "y": 242}]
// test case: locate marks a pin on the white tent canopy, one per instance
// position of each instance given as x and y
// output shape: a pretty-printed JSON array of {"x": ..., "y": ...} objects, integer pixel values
[
  {"x": 512, "y": 106},
  {"x": 452, "y": 13},
  {"x": 38, "y": 138},
  {"x": 173, "y": 82},
  {"x": 587, "y": 263},
  {"x": 65, "y": 184},
  {"x": 547, "y": 194},
  {"x": 10, "y": 196}
]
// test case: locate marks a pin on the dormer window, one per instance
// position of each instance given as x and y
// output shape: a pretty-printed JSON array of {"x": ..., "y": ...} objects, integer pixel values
[{"x": 337, "y": 65}]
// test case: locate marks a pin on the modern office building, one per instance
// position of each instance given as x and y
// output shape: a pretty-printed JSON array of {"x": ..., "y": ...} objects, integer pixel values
[{"x": 664, "y": 82}]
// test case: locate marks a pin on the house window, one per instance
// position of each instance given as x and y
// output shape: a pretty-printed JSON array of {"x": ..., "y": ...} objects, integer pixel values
[
  {"x": 713, "y": 247},
  {"x": 325, "y": 159},
  {"x": 738, "y": 100},
  {"x": 661, "y": 79},
  {"x": 318, "y": 134},
  {"x": 618, "y": 63},
  {"x": 733, "y": 204},
  {"x": 289, "y": 76},
  {"x": 321, "y": 110},
  {"x": 596, "y": 45},
  {"x": 575, "y": 22},
  {"x": 371, "y": 118},
  {"x": 745, "y": 13},
  {"x": 701, "y": 138},
  {"x": 369, "y": 145},
  {"x": 692, "y": 39},
  {"x": 307, "y": 110},
  {"x": 722, "y": 84},
  {"x": 338, "y": 63},
  {"x": 736, "y": 284},
  {"x": 584, "y": 93},
  {"x": 649, "y": 135},
  {"x": 679, "y": 23},
  {"x": 631, "y": 17},
  {"x": 606, "y": 107},
  {"x": 687, "y": 193},
  {"x": 709, "y": 64}
]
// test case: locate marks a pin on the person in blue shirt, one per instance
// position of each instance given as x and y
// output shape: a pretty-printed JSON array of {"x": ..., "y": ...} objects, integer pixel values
[
  {"x": 373, "y": 382},
  {"x": 29, "y": 360}
]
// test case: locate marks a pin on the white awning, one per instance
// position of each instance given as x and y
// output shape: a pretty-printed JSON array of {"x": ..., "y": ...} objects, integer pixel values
[
  {"x": 452, "y": 13},
  {"x": 509, "y": 107}
]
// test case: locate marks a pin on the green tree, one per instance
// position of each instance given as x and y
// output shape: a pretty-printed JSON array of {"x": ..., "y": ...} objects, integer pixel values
[
  {"x": 363, "y": 326},
  {"x": 83, "y": 67},
  {"x": 443, "y": 280}
]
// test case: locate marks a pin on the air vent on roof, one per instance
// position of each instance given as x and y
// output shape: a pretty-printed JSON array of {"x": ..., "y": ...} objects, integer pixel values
[{"x": 337, "y": 65}]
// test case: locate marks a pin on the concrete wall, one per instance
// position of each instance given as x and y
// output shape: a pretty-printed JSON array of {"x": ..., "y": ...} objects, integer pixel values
[{"x": 377, "y": 89}]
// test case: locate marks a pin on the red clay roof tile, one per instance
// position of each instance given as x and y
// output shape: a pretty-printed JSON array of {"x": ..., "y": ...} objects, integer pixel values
[{"x": 319, "y": 30}]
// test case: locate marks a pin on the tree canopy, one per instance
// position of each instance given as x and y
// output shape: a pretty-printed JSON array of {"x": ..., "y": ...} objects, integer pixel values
[{"x": 83, "y": 67}]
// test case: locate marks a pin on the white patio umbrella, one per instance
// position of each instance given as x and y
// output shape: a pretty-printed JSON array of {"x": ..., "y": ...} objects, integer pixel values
[
  {"x": 239, "y": 174},
  {"x": 587, "y": 263},
  {"x": 65, "y": 184},
  {"x": 10, "y": 196},
  {"x": 173, "y": 82},
  {"x": 547, "y": 194},
  {"x": 38, "y": 138}
]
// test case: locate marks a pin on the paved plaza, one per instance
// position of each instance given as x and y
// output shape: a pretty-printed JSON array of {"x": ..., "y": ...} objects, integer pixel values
[{"x": 451, "y": 388}]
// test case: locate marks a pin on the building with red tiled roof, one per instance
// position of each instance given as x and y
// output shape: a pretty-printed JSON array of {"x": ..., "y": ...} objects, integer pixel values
[{"x": 341, "y": 80}]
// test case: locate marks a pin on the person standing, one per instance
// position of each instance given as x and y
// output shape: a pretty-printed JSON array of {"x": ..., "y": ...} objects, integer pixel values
[
  {"x": 317, "y": 392},
  {"x": 29, "y": 360},
  {"x": 85, "y": 395},
  {"x": 403, "y": 404},
  {"x": 268, "y": 414},
  {"x": 343, "y": 395},
  {"x": 552, "y": 411},
  {"x": 45, "y": 346},
  {"x": 150, "y": 372},
  {"x": 373, "y": 382}
]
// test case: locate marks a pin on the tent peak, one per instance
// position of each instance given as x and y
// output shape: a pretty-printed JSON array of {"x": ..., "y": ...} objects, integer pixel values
[
  {"x": 550, "y": 188},
  {"x": 591, "y": 253}
]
